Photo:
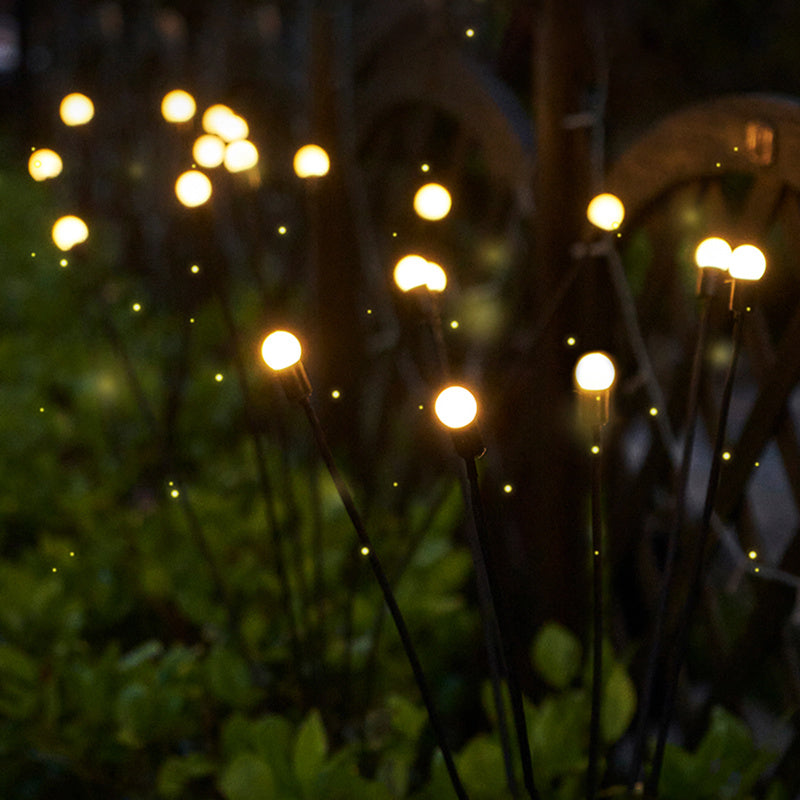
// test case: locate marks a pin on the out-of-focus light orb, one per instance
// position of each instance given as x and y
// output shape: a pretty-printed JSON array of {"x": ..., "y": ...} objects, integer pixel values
[
  {"x": 412, "y": 271},
  {"x": 281, "y": 350},
  {"x": 69, "y": 231},
  {"x": 713, "y": 252},
  {"x": 432, "y": 201},
  {"x": 208, "y": 150},
  {"x": 240, "y": 155},
  {"x": 193, "y": 188},
  {"x": 595, "y": 372},
  {"x": 178, "y": 106},
  {"x": 456, "y": 407},
  {"x": 44, "y": 163},
  {"x": 311, "y": 161},
  {"x": 606, "y": 211},
  {"x": 747, "y": 263},
  {"x": 221, "y": 120},
  {"x": 76, "y": 109},
  {"x": 437, "y": 277}
]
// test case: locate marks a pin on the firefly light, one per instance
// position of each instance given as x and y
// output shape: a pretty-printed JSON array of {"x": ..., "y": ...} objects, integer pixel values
[
  {"x": 76, "y": 109},
  {"x": 281, "y": 350},
  {"x": 208, "y": 150},
  {"x": 178, "y": 106},
  {"x": 606, "y": 211},
  {"x": 44, "y": 163},
  {"x": 747, "y": 263},
  {"x": 193, "y": 188},
  {"x": 456, "y": 407},
  {"x": 713, "y": 252},
  {"x": 240, "y": 155},
  {"x": 432, "y": 201},
  {"x": 311, "y": 161},
  {"x": 595, "y": 372},
  {"x": 69, "y": 231}
]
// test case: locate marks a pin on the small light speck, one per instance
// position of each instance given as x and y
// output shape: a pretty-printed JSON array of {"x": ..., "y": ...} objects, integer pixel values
[
  {"x": 282, "y": 230},
  {"x": 718, "y": 165},
  {"x": 595, "y": 449},
  {"x": 33, "y": 255},
  {"x": 421, "y": 406},
  {"x": 394, "y": 234},
  {"x": 369, "y": 311},
  {"x": 395, "y": 484},
  {"x": 55, "y": 569},
  {"x": 195, "y": 269},
  {"x": 726, "y": 456},
  {"x": 219, "y": 377},
  {"x": 508, "y": 488},
  {"x": 365, "y": 551},
  {"x": 424, "y": 168},
  {"x": 469, "y": 33},
  {"x": 336, "y": 394},
  {"x": 757, "y": 464},
  {"x": 174, "y": 493},
  {"x": 454, "y": 324},
  {"x": 137, "y": 307},
  {"x": 752, "y": 555},
  {"x": 41, "y": 409},
  {"x": 597, "y": 552},
  {"x": 72, "y": 554},
  {"x": 736, "y": 149},
  {"x": 63, "y": 262},
  {"x": 757, "y": 569},
  {"x": 571, "y": 341},
  {"x": 653, "y": 412},
  {"x": 191, "y": 320}
]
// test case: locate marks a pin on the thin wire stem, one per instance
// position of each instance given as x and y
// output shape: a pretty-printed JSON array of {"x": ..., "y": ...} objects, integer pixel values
[
  {"x": 696, "y": 585},
  {"x": 388, "y": 594},
  {"x": 515, "y": 692},
  {"x": 667, "y": 587},
  {"x": 597, "y": 616}
]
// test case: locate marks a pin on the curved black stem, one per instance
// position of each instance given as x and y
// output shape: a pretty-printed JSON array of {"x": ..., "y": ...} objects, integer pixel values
[
  {"x": 597, "y": 616},
  {"x": 682, "y": 480},
  {"x": 515, "y": 692},
  {"x": 388, "y": 594},
  {"x": 696, "y": 585}
]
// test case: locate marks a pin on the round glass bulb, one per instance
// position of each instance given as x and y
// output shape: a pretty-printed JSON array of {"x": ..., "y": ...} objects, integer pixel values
[
  {"x": 713, "y": 252},
  {"x": 76, "y": 109},
  {"x": 178, "y": 106},
  {"x": 411, "y": 271},
  {"x": 606, "y": 211},
  {"x": 595, "y": 372},
  {"x": 69, "y": 231},
  {"x": 193, "y": 188},
  {"x": 747, "y": 263},
  {"x": 208, "y": 150},
  {"x": 214, "y": 117},
  {"x": 432, "y": 201},
  {"x": 281, "y": 350},
  {"x": 436, "y": 280},
  {"x": 311, "y": 161},
  {"x": 44, "y": 164},
  {"x": 456, "y": 407},
  {"x": 240, "y": 155}
]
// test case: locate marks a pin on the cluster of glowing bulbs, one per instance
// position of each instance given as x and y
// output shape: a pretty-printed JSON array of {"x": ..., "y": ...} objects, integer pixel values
[
  {"x": 745, "y": 262},
  {"x": 413, "y": 271}
]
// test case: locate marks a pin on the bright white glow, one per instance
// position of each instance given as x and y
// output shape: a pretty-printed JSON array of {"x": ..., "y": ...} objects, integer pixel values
[
  {"x": 76, "y": 109},
  {"x": 69, "y": 231},
  {"x": 412, "y": 271},
  {"x": 432, "y": 201},
  {"x": 594, "y": 372},
  {"x": 311, "y": 161},
  {"x": 713, "y": 252},
  {"x": 178, "y": 106},
  {"x": 44, "y": 164},
  {"x": 240, "y": 155},
  {"x": 606, "y": 211},
  {"x": 437, "y": 278},
  {"x": 214, "y": 117},
  {"x": 208, "y": 150},
  {"x": 747, "y": 263},
  {"x": 193, "y": 188},
  {"x": 281, "y": 350},
  {"x": 456, "y": 407}
]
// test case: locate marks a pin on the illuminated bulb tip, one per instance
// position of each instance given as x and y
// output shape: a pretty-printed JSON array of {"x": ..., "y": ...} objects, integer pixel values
[
  {"x": 595, "y": 372},
  {"x": 240, "y": 155},
  {"x": 221, "y": 120},
  {"x": 713, "y": 252},
  {"x": 281, "y": 350},
  {"x": 76, "y": 109},
  {"x": 311, "y": 161},
  {"x": 44, "y": 164},
  {"x": 193, "y": 188},
  {"x": 413, "y": 271},
  {"x": 606, "y": 211},
  {"x": 208, "y": 150},
  {"x": 178, "y": 106},
  {"x": 432, "y": 201},
  {"x": 69, "y": 231},
  {"x": 747, "y": 263},
  {"x": 456, "y": 407}
]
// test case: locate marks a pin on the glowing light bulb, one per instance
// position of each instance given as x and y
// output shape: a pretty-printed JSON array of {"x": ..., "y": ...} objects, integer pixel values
[
  {"x": 595, "y": 372},
  {"x": 605, "y": 211},
  {"x": 713, "y": 252},
  {"x": 178, "y": 106},
  {"x": 193, "y": 188},
  {"x": 76, "y": 109},
  {"x": 208, "y": 150},
  {"x": 281, "y": 350},
  {"x": 456, "y": 407},
  {"x": 747, "y": 263},
  {"x": 437, "y": 277},
  {"x": 214, "y": 118},
  {"x": 44, "y": 163},
  {"x": 412, "y": 271},
  {"x": 240, "y": 156},
  {"x": 311, "y": 161},
  {"x": 69, "y": 231},
  {"x": 432, "y": 201}
]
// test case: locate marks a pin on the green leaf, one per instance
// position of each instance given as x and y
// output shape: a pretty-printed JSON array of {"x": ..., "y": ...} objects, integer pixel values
[
  {"x": 247, "y": 777},
  {"x": 556, "y": 655},
  {"x": 177, "y": 771},
  {"x": 408, "y": 719},
  {"x": 619, "y": 704},
  {"x": 559, "y": 734},
  {"x": 480, "y": 765},
  {"x": 229, "y": 677},
  {"x": 310, "y": 750},
  {"x": 18, "y": 682}
]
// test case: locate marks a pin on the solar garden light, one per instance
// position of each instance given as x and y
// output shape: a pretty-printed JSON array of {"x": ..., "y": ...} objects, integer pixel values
[{"x": 282, "y": 352}]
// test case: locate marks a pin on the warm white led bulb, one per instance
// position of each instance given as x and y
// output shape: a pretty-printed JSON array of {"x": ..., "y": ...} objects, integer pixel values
[
  {"x": 76, "y": 109},
  {"x": 281, "y": 350},
  {"x": 178, "y": 106},
  {"x": 713, "y": 252},
  {"x": 311, "y": 161},
  {"x": 44, "y": 163},
  {"x": 208, "y": 150},
  {"x": 193, "y": 188},
  {"x": 595, "y": 372},
  {"x": 747, "y": 263},
  {"x": 606, "y": 211},
  {"x": 240, "y": 156},
  {"x": 69, "y": 231},
  {"x": 432, "y": 201},
  {"x": 456, "y": 407}
]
